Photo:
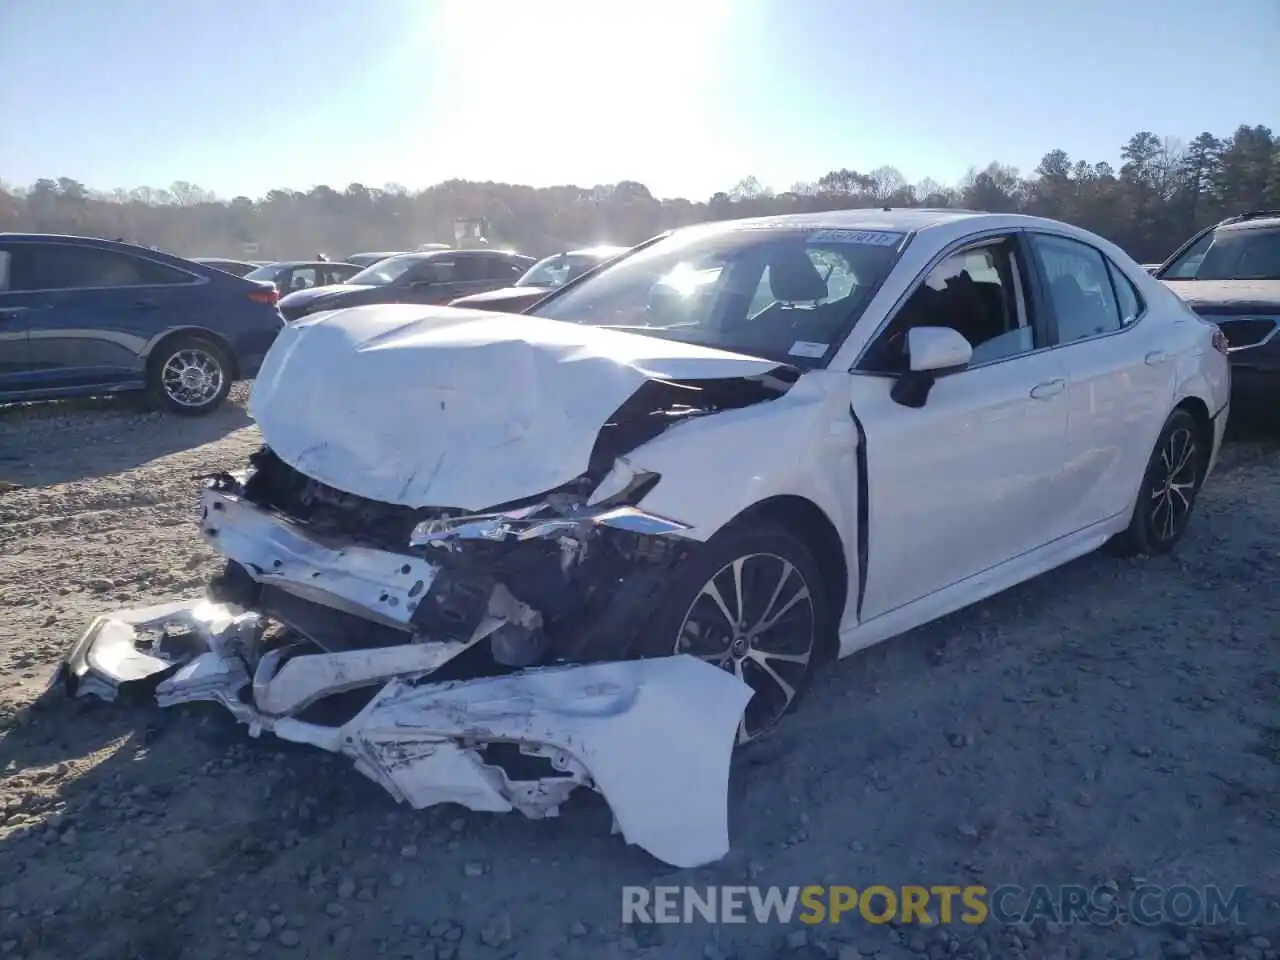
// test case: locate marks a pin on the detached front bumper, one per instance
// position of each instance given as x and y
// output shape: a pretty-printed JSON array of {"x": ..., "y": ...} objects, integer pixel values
[{"x": 654, "y": 737}]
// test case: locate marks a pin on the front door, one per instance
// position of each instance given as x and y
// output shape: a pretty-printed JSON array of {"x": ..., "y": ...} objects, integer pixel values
[{"x": 974, "y": 477}]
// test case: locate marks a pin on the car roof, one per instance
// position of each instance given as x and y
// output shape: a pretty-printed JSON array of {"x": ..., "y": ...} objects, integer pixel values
[
  {"x": 944, "y": 225},
  {"x": 437, "y": 254},
  {"x": 1253, "y": 223},
  {"x": 309, "y": 263},
  {"x": 602, "y": 251}
]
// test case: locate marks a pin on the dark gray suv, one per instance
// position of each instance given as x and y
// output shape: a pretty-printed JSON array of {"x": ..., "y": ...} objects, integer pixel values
[{"x": 1230, "y": 275}]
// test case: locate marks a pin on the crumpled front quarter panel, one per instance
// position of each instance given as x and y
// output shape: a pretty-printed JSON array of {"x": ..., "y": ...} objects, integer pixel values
[
  {"x": 801, "y": 444},
  {"x": 424, "y": 406},
  {"x": 656, "y": 735}
]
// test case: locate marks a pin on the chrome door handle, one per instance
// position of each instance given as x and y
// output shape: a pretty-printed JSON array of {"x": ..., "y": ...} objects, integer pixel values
[
  {"x": 1156, "y": 357},
  {"x": 1050, "y": 388}
]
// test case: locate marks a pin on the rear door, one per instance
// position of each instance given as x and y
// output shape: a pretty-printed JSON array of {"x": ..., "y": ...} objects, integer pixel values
[
  {"x": 92, "y": 311},
  {"x": 1120, "y": 374},
  {"x": 14, "y": 307}
]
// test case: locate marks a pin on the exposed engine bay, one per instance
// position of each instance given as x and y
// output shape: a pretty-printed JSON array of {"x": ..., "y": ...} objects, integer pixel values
[{"x": 489, "y": 659}]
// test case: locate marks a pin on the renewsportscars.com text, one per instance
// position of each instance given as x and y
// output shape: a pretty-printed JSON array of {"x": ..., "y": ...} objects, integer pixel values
[{"x": 1146, "y": 904}]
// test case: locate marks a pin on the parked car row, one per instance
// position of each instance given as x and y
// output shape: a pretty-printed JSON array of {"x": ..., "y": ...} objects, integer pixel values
[{"x": 81, "y": 315}]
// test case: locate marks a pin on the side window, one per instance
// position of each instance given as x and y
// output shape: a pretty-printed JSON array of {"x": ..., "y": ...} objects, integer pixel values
[
  {"x": 1127, "y": 296},
  {"x": 505, "y": 269},
  {"x": 302, "y": 278},
  {"x": 157, "y": 274},
  {"x": 482, "y": 267},
  {"x": 5, "y": 259},
  {"x": 978, "y": 293},
  {"x": 56, "y": 266},
  {"x": 1079, "y": 288},
  {"x": 435, "y": 270}
]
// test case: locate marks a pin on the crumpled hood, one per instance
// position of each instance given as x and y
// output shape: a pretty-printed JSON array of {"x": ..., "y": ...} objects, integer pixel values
[
  {"x": 1228, "y": 296},
  {"x": 447, "y": 407}
]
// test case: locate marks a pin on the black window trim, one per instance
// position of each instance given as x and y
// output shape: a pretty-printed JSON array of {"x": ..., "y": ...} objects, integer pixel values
[
  {"x": 195, "y": 281},
  {"x": 1033, "y": 296},
  {"x": 1124, "y": 328}
]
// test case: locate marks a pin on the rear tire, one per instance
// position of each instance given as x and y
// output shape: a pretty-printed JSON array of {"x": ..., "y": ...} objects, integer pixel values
[
  {"x": 189, "y": 375},
  {"x": 1167, "y": 497},
  {"x": 774, "y": 639}
]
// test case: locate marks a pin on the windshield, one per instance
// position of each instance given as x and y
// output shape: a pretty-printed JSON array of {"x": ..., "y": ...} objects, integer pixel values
[
  {"x": 267, "y": 273},
  {"x": 1249, "y": 254},
  {"x": 788, "y": 295},
  {"x": 385, "y": 271},
  {"x": 558, "y": 270}
]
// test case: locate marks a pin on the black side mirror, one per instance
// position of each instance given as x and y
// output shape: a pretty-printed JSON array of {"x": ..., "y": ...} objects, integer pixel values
[
  {"x": 931, "y": 352},
  {"x": 911, "y": 389}
]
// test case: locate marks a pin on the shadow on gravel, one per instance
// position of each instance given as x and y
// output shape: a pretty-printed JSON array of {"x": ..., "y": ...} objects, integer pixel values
[
  {"x": 1253, "y": 426},
  {"x": 42, "y": 444}
]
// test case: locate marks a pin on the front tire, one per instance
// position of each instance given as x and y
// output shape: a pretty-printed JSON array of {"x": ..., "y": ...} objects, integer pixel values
[
  {"x": 189, "y": 376},
  {"x": 753, "y": 603},
  {"x": 1169, "y": 488}
]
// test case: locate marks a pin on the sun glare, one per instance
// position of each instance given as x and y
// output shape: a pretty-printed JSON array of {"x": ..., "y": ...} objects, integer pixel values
[{"x": 536, "y": 91}]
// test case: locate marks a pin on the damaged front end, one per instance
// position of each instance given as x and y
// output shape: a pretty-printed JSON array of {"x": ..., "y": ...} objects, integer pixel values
[
  {"x": 457, "y": 585},
  {"x": 481, "y": 659}
]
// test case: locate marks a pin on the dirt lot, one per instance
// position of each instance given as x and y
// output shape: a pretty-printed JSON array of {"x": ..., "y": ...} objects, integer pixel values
[{"x": 1113, "y": 721}]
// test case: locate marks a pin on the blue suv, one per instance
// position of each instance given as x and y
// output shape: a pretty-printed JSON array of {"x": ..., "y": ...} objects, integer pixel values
[{"x": 82, "y": 316}]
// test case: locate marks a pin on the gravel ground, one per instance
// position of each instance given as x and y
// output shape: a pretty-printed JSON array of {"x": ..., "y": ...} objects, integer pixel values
[{"x": 1111, "y": 722}]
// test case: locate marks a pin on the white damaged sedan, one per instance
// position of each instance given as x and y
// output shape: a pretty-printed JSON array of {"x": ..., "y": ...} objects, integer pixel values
[{"x": 492, "y": 558}]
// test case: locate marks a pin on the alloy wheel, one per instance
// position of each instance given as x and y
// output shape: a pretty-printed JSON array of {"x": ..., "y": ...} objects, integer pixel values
[
  {"x": 191, "y": 377},
  {"x": 756, "y": 619},
  {"x": 1173, "y": 487}
]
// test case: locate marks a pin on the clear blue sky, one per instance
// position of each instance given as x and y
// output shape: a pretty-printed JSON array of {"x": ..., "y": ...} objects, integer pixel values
[{"x": 686, "y": 96}]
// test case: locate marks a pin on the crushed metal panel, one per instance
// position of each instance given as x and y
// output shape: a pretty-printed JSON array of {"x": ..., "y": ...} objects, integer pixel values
[
  {"x": 655, "y": 735},
  {"x": 132, "y": 646},
  {"x": 375, "y": 584},
  {"x": 397, "y": 403}
]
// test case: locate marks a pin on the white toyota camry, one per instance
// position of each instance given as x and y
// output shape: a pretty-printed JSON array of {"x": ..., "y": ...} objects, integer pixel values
[{"x": 758, "y": 444}]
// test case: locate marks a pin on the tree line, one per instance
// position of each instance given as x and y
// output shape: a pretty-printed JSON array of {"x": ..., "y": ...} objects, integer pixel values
[{"x": 1164, "y": 190}]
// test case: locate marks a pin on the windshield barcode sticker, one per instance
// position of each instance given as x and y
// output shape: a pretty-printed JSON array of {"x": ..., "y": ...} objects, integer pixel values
[
  {"x": 806, "y": 348},
  {"x": 872, "y": 238}
]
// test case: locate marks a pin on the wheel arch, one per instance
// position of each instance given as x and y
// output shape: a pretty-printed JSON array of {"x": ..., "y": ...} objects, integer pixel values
[
  {"x": 157, "y": 346},
  {"x": 1199, "y": 411},
  {"x": 802, "y": 516}
]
